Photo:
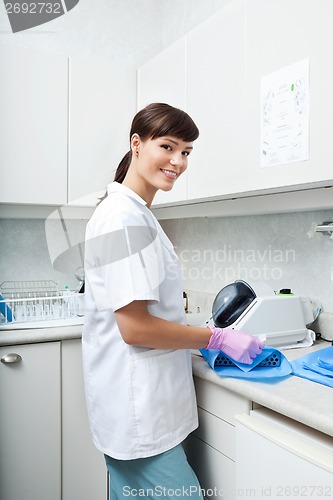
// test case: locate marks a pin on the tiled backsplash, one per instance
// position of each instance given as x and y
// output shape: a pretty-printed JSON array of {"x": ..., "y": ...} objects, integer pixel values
[
  {"x": 282, "y": 250},
  {"x": 25, "y": 255}
]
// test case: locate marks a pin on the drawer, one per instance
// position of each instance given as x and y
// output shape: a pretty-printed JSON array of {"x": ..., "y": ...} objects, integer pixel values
[
  {"x": 219, "y": 401},
  {"x": 217, "y": 433},
  {"x": 216, "y": 473}
]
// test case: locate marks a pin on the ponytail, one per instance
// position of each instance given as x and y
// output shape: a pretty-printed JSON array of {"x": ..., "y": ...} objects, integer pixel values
[
  {"x": 123, "y": 167},
  {"x": 120, "y": 172}
]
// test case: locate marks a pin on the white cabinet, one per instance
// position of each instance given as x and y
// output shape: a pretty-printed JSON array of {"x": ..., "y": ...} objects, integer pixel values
[
  {"x": 280, "y": 33},
  {"x": 280, "y": 458},
  {"x": 225, "y": 58},
  {"x": 211, "y": 449},
  {"x": 63, "y": 127},
  {"x": 30, "y": 416},
  {"x": 163, "y": 79},
  {"x": 46, "y": 445},
  {"x": 215, "y": 471},
  {"x": 102, "y": 106},
  {"x": 215, "y": 100},
  {"x": 204, "y": 74},
  {"x": 84, "y": 474},
  {"x": 33, "y": 126}
]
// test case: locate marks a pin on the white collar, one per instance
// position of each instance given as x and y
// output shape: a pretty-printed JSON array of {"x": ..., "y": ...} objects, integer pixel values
[{"x": 116, "y": 187}]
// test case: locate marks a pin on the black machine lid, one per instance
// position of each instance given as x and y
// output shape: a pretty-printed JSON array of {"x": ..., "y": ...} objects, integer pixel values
[{"x": 231, "y": 302}]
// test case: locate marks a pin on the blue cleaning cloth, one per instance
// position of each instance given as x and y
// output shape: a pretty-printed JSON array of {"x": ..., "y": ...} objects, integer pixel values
[
  {"x": 5, "y": 310},
  {"x": 317, "y": 366},
  {"x": 268, "y": 373}
]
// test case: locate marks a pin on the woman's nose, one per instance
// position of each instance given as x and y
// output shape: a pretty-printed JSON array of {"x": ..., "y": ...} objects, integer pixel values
[{"x": 176, "y": 160}]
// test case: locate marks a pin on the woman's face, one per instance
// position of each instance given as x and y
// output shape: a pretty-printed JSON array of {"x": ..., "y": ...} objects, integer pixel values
[{"x": 159, "y": 162}]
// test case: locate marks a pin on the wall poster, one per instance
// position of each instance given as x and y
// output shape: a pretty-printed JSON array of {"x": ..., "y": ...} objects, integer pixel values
[{"x": 284, "y": 98}]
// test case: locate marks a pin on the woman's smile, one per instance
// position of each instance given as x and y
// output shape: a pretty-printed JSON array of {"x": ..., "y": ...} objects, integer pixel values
[{"x": 169, "y": 173}]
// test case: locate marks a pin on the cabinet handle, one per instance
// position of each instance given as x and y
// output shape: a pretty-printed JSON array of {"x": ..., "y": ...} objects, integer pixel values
[{"x": 12, "y": 357}]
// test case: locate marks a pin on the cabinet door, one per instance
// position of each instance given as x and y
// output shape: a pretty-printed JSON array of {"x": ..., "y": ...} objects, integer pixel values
[
  {"x": 219, "y": 401},
  {"x": 280, "y": 33},
  {"x": 102, "y": 106},
  {"x": 277, "y": 461},
  {"x": 163, "y": 79},
  {"x": 84, "y": 474},
  {"x": 211, "y": 448},
  {"x": 215, "y": 471},
  {"x": 33, "y": 127},
  {"x": 30, "y": 432},
  {"x": 215, "y": 100},
  {"x": 216, "y": 432}
]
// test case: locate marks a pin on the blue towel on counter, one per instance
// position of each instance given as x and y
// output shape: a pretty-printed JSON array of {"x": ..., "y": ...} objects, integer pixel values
[
  {"x": 268, "y": 366},
  {"x": 317, "y": 366}
]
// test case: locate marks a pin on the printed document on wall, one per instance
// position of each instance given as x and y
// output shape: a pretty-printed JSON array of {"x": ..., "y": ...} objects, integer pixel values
[{"x": 285, "y": 115}]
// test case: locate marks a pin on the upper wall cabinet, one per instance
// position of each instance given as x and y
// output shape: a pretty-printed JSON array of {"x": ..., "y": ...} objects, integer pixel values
[
  {"x": 102, "y": 105},
  {"x": 280, "y": 33},
  {"x": 215, "y": 100},
  {"x": 226, "y": 59},
  {"x": 33, "y": 126},
  {"x": 163, "y": 79},
  {"x": 64, "y": 127}
]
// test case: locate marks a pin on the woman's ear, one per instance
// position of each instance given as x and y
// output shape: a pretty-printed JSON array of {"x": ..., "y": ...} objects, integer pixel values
[{"x": 135, "y": 142}]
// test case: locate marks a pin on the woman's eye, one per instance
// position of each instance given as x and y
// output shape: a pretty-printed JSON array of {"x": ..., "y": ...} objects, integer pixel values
[
  {"x": 167, "y": 147},
  {"x": 185, "y": 153}
]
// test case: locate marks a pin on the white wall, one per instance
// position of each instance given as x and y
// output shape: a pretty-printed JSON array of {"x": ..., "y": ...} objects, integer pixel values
[
  {"x": 128, "y": 33},
  {"x": 118, "y": 32}
]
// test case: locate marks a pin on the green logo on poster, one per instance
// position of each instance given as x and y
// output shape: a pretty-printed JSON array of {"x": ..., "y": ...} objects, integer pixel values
[{"x": 24, "y": 14}]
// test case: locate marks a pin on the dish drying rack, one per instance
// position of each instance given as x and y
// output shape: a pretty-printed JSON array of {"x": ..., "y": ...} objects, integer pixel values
[{"x": 39, "y": 301}]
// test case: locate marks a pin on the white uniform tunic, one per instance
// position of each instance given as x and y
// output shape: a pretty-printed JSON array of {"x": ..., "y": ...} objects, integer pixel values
[{"x": 141, "y": 401}]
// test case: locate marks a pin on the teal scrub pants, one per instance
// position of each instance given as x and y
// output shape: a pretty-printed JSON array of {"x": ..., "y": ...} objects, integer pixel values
[{"x": 167, "y": 475}]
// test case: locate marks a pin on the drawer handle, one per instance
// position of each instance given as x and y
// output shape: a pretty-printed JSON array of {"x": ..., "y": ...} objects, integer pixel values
[{"x": 11, "y": 357}]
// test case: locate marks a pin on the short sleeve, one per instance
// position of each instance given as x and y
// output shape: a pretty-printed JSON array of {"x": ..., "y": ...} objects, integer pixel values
[{"x": 124, "y": 261}]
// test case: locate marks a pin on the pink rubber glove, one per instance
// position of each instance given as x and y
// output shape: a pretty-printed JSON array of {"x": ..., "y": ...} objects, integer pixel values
[{"x": 239, "y": 346}]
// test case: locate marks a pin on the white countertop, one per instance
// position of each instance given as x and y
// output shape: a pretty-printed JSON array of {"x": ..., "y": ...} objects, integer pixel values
[
  {"x": 297, "y": 398},
  {"x": 34, "y": 335},
  {"x": 302, "y": 400}
]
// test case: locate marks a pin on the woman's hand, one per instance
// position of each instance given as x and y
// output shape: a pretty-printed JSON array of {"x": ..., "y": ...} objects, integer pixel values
[{"x": 240, "y": 346}]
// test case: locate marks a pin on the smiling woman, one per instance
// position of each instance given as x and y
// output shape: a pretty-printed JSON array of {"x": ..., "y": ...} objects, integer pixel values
[
  {"x": 155, "y": 128},
  {"x": 136, "y": 321},
  {"x": 167, "y": 128},
  {"x": 136, "y": 344}
]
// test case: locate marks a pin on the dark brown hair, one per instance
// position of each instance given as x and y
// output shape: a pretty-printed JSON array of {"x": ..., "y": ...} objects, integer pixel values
[{"x": 153, "y": 121}]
